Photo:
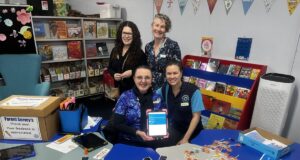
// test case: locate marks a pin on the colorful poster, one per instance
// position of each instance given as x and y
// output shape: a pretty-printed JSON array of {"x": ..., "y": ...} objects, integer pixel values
[
  {"x": 268, "y": 4},
  {"x": 206, "y": 46},
  {"x": 196, "y": 4},
  {"x": 182, "y": 4},
  {"x": 158, "y": 4},
  {"x": 246, "y": 5},
  {"x": 292, "y": 5},
  {"x": 211, "y": 5},
  {"x": 228, "y": 4},
  {"x": 243, "y": 48}
]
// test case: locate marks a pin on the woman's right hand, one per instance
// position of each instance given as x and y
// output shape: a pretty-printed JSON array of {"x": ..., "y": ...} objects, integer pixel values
[
  {"x": 117, "y": 76},
  {"x": 144, "y": 136}
]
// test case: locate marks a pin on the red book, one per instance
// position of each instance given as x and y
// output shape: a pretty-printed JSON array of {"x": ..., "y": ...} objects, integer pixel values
[{"x": 74, "y": 50}]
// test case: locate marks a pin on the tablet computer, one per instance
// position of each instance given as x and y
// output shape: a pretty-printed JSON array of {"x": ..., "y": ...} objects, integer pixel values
[
  {"x": 157, "y": 124},
  {"x": 90, "y": 141},
  {"x": 18, "y": 152}
]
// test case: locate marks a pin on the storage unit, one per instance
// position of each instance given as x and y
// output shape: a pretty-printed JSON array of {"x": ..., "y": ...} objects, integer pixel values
[
  {"x": 75, "y": 51},
  {"x": 235, "y": 110}
]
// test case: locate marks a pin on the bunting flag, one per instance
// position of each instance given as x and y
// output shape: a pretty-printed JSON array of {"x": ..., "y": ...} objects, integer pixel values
[
  {"x": 292, "y": 4},
  {"x": 196, "y": 4},
  {"x": 268, "y": 4},
  {"x": 170, "y": 3},
  {"x": 182, "y": 4},
  {"x": 246, "y": 5},
  {"x": 211, "y": 5},
  {"x": 228, "y": 4},
  {"x": 158, "y": 4}
]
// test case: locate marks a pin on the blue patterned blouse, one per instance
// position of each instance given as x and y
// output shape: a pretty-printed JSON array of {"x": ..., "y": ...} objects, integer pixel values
[{"x": 169, "y": 50}]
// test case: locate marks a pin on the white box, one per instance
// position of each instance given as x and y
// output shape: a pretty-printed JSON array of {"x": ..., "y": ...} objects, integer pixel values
[{"x": 110, "y": 11}]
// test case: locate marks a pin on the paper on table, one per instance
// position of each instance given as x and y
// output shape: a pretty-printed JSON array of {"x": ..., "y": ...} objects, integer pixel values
[
  {"x": 25, "y": 101},
  {"x": 65, "y": 147}
]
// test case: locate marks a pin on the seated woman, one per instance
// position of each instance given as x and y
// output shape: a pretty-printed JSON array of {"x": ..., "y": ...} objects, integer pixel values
[
  {"x": 184, "y": 103},
  {"x": 129, "y": 117}
]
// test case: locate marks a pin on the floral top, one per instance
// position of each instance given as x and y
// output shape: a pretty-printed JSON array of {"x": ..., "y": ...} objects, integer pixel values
[{"x": 169, "y": 50}]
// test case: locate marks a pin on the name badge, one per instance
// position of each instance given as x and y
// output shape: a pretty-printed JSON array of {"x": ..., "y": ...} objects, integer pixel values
[
  {"x": 184, "y": 104},
  {"x": 163, "y": 56},
  {"x": 157, "y": 101}
]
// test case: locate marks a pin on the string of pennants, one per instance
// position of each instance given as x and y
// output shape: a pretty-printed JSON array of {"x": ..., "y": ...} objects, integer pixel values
[{"x": 292, "y": 5}]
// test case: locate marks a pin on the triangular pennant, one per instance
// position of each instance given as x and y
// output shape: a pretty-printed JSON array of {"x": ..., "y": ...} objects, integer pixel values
[
  {"x": 228, "y": 4},
  {"x": 170, "y": 3},
  {"x": 196, "y": 4},
  {"x": 246, "y": 5},
  {"x": 268, "y": 4},
  {"x": 211, "y": 5},
  {"x": 292, "y": 4},
  {"x": 182, "y": 4},
  {"x": 158, "y": 4}
]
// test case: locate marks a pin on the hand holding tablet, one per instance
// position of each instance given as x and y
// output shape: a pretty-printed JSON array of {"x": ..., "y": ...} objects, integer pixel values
[{"x": 157, "y": 124}]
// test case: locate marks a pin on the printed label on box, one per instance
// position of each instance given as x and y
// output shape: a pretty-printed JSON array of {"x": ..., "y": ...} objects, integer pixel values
[{"x": 26, "y": 128}]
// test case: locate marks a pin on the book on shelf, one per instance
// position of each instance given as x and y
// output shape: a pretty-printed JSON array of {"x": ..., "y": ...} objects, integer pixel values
[
  {"x": 58, "y": 29},
  {"x": 220, "y": 107},
  {"x": 46, "y": 52},
  {"x": 189, "y": 62},
  {"x": 89, "y": 29},
  {"x": 220, "y": 87},
  {"x": 74, "y": 29},
  {"x": 201, "y": 83},
  {"x": 210, "y": 85},
  {"x": 41, "y": 30},
  {"x": 254, "y": 73},
  {"x": 245, "y": 72},
  {"x": 204, "y": 121},
  {"x": 230, "y": 124},
  {"x": 215, "y": 121},
  {"x": 230, "y": 90},
  {"x": 235, "y": 113},
  {"x": 74, "y": 49},
  {"x": 234, "y": 70},
  {"x": 102, "y": 30},
  {"x": 91, "y": 50},
  {"x": 207, "y": 101},
  {"x": 212, "y": 65},
  {"x": 60, "y": 52},
  {"x": 192, "y": 80},
  {"x": 102, "y": 49},
  {"x": 203, "y": 66},
  {"x": 242, "y": 92},
  {"x": 196, "y": 64},
  {"x": 223, "y": 69},
  {"x": 112, "y": 31}
]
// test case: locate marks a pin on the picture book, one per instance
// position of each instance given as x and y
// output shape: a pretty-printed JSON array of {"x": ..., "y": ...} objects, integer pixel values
[
  {"x": 189, "y": 63},
  {"x": 102, "y": 30},
  {"x": 112, "y": 31},
  {"x": 102, "y": 49},
  {"x": 230, "y": 90},
  {"x": 53, "y": 29},
  {"x": 206, "y": 46},
  {"x": 46, "y": 52},
  {"x": 220, "y": 87},
  {"x": 203, "y": 66},
  {"x": 60, "y": 52},
  {"x": 242, "y": 92},
  {"x": 245, "y": 72},
  {"x": 89, "y": 29},
  {"x": 220, "y": 107},
  {"x": 230, "y": 124},
  {"x": 58, "y": 29},
  {"x": 235, "y": 113},
  {"x": 196, "y": 64},
  {"x": 74, "y": 50},
  {"x": 254, "y": 73},
  {"x": 234, "y": 70},
  {"x": 40, "y": 30},
  {"x": 223, "y": 69},
  {"x": 210, "y": 85},
  {"x": 204, "y": 121},
  {"x": 212, "y": 65},
  {"x": 201, "y": 83},
  {"x": 215, "y": 121},
  {"x": 74, "y": 29},
  {"x": 91, "y": 50},
  {"x": 207, "y": 101},
  {"x": 243, "y": 48},
  {"x": 192, "y": 80}
]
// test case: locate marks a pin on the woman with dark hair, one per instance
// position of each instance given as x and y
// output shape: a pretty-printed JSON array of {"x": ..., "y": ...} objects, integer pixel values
[{"x": 126, "y": 55}]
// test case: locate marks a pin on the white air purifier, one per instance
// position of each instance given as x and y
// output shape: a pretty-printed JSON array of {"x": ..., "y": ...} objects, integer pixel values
[{"x": 272, "y": 102}]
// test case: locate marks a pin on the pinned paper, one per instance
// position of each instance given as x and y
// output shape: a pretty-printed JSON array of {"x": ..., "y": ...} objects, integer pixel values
[
  {"x": 246, "y": 5},
  {"x": 158, "y": 4},
  {"x": 182, "y": 4},
  {"x": 211, "y": 5},
  {"x": 196, "y": 4},
  {"x": 243, "y": 48},
  {"x": 228, "y": 4},
  {"x": 206, "y": 46},
  {"x": 292, "y": 5},
  {"x": 170, "y": 3},
  {"x": 268, "y": 4}
]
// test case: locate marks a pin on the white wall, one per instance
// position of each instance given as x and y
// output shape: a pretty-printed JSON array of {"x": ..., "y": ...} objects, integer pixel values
[{"x": 274, "y": 34}]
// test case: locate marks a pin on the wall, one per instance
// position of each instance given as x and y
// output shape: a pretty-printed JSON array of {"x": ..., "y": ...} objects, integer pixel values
[{"x": 275, "y": 35}]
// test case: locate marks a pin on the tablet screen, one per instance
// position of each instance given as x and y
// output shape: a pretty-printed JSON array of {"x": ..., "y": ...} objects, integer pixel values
[
  {"x": 90, "y": 141},
  {"x": 18, "y": 152},
  {"x": 157, "y": 123}
]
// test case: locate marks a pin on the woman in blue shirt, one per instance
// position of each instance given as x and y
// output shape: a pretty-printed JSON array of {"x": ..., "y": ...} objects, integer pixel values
[{"x": 161, "y": 50}]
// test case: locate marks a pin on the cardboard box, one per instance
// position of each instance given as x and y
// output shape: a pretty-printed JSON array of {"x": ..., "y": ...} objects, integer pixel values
[
  {"x": 29, "y": 117},
  {"x": 110, "y": 11},
  {"x": 269, "y": 150}
]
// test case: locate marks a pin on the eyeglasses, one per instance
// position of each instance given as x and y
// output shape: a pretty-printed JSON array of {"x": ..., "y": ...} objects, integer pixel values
[
  {"x": 127, "y": 34},
  {"x": 140, "y": 78}
]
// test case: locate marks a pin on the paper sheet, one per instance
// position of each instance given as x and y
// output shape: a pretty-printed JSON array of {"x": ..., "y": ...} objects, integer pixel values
[{"x": 65, "y": 147}]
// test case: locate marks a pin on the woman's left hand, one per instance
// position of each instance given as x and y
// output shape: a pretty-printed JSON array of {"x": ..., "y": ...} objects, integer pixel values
[
  {"x": 144, "y": 136},
  {"x": 182, "y": 141}
]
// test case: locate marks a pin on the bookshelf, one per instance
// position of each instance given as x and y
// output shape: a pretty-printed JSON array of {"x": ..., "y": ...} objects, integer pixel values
[
  {"x": 75, "y": 51},
  {"x": 233, "y": 110}
]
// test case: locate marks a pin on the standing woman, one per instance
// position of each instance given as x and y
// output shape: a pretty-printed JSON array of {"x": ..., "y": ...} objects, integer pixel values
[
  {"x": 184, "y": 103},
  {"x": 126, "y": 55},
  {"x": 161, "y": 50}
]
